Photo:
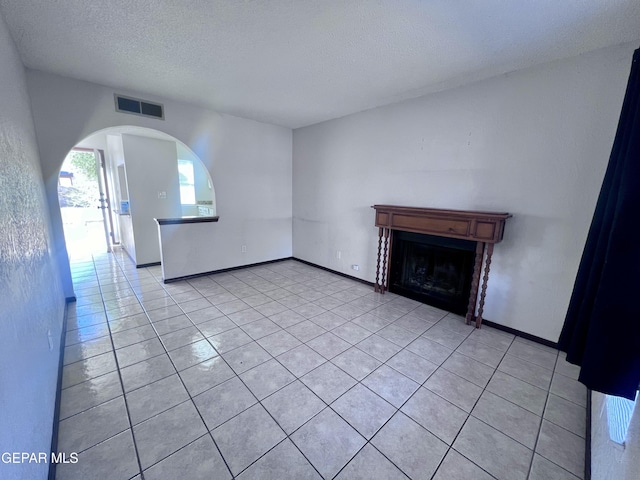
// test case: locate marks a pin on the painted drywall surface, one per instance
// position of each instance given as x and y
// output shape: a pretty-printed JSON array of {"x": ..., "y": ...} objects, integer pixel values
[
  {"x": 31, "y": 298},
  {"x": 204, "y": 192},
  {"x": 189, "y": 249},
  {"x": 112, "y": 191},
  {"x": 151, "y": 167},
  {"x": 610, "y": 460},
  {"x": 193, "y": 248},
  {"x": 114, "y": 163},
  {"x": 249, "y": 162},
  {"x": 202, "y": 181},
  {"x": 533, "y": 143}
]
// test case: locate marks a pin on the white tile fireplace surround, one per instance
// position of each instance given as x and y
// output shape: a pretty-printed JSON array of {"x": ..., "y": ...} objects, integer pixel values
[{"x": 286, "y": 371}]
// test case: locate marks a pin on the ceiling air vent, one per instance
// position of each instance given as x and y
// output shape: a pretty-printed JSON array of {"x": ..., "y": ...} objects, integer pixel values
[{"x": 139, "y": 107}]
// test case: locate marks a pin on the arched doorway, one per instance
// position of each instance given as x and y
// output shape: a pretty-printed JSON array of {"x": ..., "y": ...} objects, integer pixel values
[{"x": 115, "y": 181}]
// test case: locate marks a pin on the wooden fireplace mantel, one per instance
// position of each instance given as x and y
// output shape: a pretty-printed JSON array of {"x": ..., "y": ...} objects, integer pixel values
[{"x": 484, "y": 228}]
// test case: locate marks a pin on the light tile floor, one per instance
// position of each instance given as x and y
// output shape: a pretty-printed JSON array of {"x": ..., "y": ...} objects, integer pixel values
[{"x": 286, "y": 371}]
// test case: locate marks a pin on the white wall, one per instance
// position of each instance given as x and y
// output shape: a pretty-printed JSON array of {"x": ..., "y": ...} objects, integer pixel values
[
  {"x": 188, "y": 248},
  {"x": 151, "y": 167},
  {"x": 249, "y": 162},
  {"x": 203, "y": 187},
  {"x": 114, "y": 163},
  {"x": 31, "y": 297},
  {"x": 534, "y": 143}
]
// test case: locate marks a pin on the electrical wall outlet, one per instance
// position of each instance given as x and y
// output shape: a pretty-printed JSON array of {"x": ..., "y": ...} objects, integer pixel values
[
  {"x": 162, "y": 194},
  {"x": 355, "y": 267},
  {"x": 244, "y": 249},
  {"x": 338, "y": 254}
]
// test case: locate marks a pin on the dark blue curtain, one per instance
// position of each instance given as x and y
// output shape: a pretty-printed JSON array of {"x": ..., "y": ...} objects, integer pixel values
[{"x": 601, "y": 332}]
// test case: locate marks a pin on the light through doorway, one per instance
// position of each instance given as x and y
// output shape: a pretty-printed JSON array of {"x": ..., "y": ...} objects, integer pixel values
[
  {"x": 113, "y": 184},
  {"x": 84, "y": 204}
]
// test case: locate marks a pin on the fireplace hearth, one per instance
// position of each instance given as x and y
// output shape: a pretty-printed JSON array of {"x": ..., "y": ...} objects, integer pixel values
[{"x": 437, "y": 256}]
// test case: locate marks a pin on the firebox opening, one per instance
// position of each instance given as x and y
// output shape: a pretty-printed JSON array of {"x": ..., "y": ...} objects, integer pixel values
[{"x": 433, "y": 270}]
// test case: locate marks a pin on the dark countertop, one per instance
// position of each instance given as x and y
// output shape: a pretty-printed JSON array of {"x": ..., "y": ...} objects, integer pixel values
[{"x": 180, "y": 220}]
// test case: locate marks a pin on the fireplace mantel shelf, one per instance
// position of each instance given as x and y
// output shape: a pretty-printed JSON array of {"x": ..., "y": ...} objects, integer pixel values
[{"x": 484, "y": 228}]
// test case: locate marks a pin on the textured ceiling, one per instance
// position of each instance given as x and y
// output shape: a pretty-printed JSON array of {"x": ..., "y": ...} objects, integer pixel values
[{"x": 299, "y": 62}]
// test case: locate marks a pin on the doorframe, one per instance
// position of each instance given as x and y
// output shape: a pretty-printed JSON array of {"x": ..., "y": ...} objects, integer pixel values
[{"x": 102, "y": 172}]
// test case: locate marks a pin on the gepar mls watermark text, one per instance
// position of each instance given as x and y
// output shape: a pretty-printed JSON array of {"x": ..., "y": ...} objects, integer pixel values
[{"x": 39, "y": 457}]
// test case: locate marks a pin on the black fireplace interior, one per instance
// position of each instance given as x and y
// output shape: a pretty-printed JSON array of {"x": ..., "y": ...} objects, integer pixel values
[{"x": 433, "y": 270}]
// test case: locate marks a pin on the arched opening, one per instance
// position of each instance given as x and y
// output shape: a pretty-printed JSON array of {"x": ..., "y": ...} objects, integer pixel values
[{"x": 114, "y": 183}]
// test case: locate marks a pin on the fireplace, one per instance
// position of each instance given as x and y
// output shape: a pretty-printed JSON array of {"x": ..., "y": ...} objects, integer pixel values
[
  {"x": 437, "y": 256},
  {"x": 433, "y": 270}
]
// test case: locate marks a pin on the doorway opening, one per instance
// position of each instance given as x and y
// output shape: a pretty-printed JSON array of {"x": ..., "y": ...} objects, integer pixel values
[
  {"x": 114, "y": 183},
  {"x": 84, "y": 201}
]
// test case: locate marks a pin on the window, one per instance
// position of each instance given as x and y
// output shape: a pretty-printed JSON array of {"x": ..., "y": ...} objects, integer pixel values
[{"x": 187, "y": 182}]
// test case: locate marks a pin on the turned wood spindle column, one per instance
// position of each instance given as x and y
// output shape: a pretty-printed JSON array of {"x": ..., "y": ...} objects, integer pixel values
[
  {"x": 385, "y": 257},
  {"x": 485, "y": 280},
  {"x": 377, "y": 285},
  {"x": 475, "y": 282}
]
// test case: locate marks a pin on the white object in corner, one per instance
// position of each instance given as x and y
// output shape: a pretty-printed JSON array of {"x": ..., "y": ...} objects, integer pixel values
[{"x": 619, "y": 413}]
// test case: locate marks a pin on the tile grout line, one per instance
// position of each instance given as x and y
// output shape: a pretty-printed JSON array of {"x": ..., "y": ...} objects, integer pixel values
[
  {"x": 450, "y": 447},
  {"x": 346, "y": 320},
  {"x": 549, "y": 393},
  {"x": 384, "y": 363},
  {"x": 259, "y": 402},
  {"x": 541, "y": 421},
  {"x": 542, "y": 418},
  {"x": 189, "y": 399},
  {"x": 287, "y": 435},
  {"x": 124, "y": 397},
  {"x": 399, "y": 409},
  {"x": 327, "y": 405}
]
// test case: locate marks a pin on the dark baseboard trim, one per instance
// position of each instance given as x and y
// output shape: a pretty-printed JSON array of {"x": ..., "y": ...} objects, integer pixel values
[
  {"x": 587, "y": 450},
  {"x": 489, "y": 323},
  {"x": 223, "y": 270},
  {"x": 230, "y": 269},
  {"x": 528, "y": 336},
  {"x": 56, "y": 408},
  {"x": 497, "y": 326},
  {"x": 145, "y": 265},
  {"x": 311, "y": 264},
  {"x": 142, "y": 265}
]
